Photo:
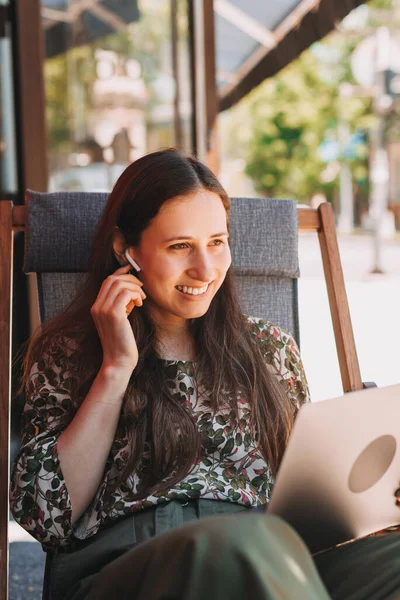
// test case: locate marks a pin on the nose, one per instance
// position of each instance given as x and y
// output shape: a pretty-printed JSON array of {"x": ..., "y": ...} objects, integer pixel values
[{"x": 201, "y": 268}]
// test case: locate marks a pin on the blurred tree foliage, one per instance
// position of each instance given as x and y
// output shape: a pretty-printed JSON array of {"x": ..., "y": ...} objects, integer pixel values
[{"x": 287, "y": 130}]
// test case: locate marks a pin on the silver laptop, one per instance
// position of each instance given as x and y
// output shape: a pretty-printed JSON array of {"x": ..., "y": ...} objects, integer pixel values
[{"x": 341, "y": 469}]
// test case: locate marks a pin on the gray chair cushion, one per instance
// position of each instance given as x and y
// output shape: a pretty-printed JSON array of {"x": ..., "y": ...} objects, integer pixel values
[
  {"x": 59, "y": 230},
  {"x": 61, "y": 226},
  {"x": 264, "y": 237}
]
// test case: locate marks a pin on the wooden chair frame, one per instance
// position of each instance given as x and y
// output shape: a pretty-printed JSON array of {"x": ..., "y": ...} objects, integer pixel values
[{"x": 12, "y": 218}]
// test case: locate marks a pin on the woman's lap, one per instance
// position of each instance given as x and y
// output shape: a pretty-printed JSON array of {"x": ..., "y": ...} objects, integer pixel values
[
  {"x": 235, "y": 557},
  {"x": 176, "y": 548}
]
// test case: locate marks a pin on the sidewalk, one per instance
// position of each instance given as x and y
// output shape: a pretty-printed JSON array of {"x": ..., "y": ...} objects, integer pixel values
[{"x": 374, "y": 302}]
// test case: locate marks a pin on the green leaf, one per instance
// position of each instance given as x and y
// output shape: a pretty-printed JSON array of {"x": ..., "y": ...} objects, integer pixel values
[
  {"x": 227, "y": 449},
  {"x": 48, "y": 523},
  {"x": 185, "y": 486},
  {"x": 32, "y": 465},
  {"x": 49, "y": 465},
  {"x": 59, "y": 519},
  {"x": 257, "y": 481}
]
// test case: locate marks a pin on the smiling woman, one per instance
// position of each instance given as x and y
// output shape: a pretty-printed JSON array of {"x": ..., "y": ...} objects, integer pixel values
[{"x": 152, "y": 401}]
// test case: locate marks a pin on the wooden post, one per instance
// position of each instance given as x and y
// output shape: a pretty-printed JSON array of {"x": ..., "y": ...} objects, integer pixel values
[
  {"x": 6, "y": 269},
  {"x": 31, "y": 101},
  {"x": 212, "y": 157},
  {"x": 345, "y": 344},
  {"x": 205, "y": 90}
]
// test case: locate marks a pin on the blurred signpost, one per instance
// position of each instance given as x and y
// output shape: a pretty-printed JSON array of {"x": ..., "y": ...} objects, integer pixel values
[{"x": 375, "y": 64}]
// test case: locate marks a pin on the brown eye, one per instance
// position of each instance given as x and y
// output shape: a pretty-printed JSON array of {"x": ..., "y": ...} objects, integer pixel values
[{"x": 181, "y": 246}]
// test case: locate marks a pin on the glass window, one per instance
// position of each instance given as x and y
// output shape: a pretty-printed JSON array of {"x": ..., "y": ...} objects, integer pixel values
[
  {"x": 8, "y": 158},
  {"x": 117, "y": 86}
]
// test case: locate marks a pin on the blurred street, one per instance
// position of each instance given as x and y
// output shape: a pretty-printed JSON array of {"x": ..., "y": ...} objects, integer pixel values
[{"x": 374, "y": 302}]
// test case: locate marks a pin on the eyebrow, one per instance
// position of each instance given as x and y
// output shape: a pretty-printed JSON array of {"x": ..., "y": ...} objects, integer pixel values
[{"x": 188, "y": 237}]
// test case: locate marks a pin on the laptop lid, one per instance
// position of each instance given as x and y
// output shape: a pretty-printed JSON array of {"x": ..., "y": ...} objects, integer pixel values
[{"x": 341, "y": 469}]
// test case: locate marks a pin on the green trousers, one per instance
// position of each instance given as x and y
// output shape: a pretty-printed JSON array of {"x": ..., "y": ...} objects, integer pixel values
[{"x": 208, "y": 550}]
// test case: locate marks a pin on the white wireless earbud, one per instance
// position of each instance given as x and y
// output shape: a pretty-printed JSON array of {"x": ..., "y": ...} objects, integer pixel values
[{"x": 131, "y": 261}]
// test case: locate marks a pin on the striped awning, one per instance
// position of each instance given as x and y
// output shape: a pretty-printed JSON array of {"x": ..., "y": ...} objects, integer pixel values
[
  {"x": 257, "y": 38},
  {"x": 254, "y": 38},
  {"x": 68, "y": 24}
]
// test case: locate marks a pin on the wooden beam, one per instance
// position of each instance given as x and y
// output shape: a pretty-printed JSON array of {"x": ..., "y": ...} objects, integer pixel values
[
  {"x": 6, "y": 269},
  {"x": 176, "y": 73},
  {"x": 342, "y": 327},
  {"x": 211, "y": 99},
  {"x": 31, "y": 98},
  {"x": 292, "y": 20}
]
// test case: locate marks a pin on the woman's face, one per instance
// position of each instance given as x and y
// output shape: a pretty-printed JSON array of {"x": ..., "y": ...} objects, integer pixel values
[{"x": 184, "y": 256}]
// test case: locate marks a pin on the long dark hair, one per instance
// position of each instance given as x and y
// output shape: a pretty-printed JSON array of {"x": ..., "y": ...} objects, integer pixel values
[{"x": 229, "y": 361}]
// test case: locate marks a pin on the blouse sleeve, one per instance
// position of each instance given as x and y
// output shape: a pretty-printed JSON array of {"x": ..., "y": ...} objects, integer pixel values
[
  {"x": 281, "y": 352},
  {"x": 38, "y": 495}
]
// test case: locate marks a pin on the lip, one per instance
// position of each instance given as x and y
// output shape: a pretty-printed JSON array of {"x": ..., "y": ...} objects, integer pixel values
[{"x": 192, "y": 297}]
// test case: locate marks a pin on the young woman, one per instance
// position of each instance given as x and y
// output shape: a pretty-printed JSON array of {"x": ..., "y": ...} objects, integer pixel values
[{"x": 155, "y": 411}]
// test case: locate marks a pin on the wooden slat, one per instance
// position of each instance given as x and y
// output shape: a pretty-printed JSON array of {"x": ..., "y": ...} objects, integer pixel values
[
  {"x": 18, "y": 218},
  {"x": 309, "y": 219},
  {"x": 6, "y": 253},
  {"x": 343, "y": 330}
]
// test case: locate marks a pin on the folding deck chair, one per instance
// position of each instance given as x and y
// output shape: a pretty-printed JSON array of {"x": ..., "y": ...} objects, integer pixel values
[{"x": 58, "y": 231}]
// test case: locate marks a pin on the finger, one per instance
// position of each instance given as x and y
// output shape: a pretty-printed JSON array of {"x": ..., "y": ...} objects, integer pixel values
[
  {"x": 129, "y": 307},
  {"x": 120, "y": 284},
  {"x": 110, "y": 290},
  {"x": 116, "y": 290},
  {"x": 125, "y": 302},
  {"x": 123, "y": 269}
]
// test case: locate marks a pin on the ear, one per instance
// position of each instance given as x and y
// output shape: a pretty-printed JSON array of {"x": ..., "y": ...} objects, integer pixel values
[{"x": 119, "y": 245}]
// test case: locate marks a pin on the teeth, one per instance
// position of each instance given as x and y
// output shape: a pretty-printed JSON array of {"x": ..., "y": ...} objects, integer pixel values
[{"x": 192, "y": 291}]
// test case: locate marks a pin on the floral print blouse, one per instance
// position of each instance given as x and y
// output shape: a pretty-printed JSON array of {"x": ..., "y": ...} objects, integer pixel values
[{"x": 230, "y": 468}]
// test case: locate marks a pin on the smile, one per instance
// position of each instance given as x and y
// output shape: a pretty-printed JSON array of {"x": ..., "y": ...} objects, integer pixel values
[{"x": 192, "y": 291}]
